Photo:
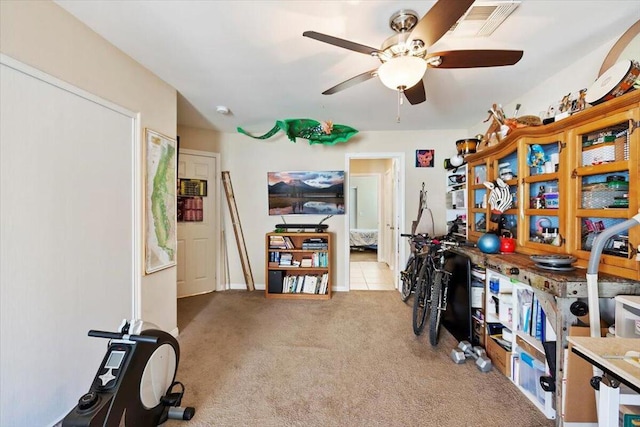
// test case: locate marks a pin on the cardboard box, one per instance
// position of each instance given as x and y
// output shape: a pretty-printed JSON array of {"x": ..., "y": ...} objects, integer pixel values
[
  {"x": 579, "y": 397},
  {"x": 500, "y": 357},
  {"x": 530, "y": 349}
]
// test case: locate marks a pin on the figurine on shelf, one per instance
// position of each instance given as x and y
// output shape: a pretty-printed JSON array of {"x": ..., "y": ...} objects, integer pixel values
[
  {"x": 499, "y": 198},
  {"x": 565, "y": 104},
  {"x": 581, "y": 103},
  {"x": 536, "y": 159}
]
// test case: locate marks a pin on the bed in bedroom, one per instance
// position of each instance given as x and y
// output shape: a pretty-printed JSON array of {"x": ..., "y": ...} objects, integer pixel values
[{"x": 361, "y": 239}]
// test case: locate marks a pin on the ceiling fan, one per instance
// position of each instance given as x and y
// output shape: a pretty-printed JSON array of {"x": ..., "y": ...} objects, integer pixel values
[{"x": 405, "y": 55}]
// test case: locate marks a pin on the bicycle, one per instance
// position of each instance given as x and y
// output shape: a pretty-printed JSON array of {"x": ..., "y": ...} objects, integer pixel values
[
  {"x": 418, "y": 278},
  {"x": 440, "y": 286},
  {"x": 424, "y": 289},
  {"x": 410, "y": 273}
]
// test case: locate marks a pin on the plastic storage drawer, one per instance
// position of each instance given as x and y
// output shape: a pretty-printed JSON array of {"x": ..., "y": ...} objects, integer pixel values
[
  {"x": 628, "y": 316},
  {"x": 530, "y": 370}
]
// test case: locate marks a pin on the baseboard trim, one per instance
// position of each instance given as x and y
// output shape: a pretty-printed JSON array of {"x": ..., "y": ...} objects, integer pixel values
[{"x": 243, "y": 286}]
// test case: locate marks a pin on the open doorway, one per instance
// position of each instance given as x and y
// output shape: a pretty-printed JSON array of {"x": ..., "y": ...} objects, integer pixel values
[{"x": 375, "y": 200}]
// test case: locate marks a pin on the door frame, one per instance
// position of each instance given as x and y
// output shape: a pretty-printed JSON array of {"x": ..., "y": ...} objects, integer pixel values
[
  {"x": 217, "y": 223},
  {"x": 398, "y": 159}
]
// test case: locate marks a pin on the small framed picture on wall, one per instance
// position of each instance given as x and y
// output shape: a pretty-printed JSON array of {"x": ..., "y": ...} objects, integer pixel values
[{"x": 425, "y": 158}]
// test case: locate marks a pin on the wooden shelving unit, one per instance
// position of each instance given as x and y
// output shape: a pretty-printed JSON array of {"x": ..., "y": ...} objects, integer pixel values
[
  {"x": 592, "y": 183},
  {"x": 298, "y": 265}
]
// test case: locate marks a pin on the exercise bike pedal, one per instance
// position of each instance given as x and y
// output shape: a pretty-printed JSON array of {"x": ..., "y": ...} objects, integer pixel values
[
  {"x": 173, "y": 398},
  {"x": 184, "y": 414}
]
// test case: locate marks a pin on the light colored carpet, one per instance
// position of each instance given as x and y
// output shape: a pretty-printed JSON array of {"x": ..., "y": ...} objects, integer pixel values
[{"x": 349, "y": 361}]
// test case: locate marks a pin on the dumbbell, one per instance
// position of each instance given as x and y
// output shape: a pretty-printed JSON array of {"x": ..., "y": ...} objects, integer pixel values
[
  {"x": 482, "y": 361},
  {"x": 458, "y": 354},
  {"x": 478, "y": 353}
]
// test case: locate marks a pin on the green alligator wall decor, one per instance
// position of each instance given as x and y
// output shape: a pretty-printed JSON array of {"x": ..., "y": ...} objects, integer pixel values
[{"x": 316, "y": 132}]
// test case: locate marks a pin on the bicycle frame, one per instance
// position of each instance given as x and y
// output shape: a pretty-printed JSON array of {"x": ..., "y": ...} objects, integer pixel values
[
  {"x": 413, "y": 266},
  {"x": 439, "y": 290}
]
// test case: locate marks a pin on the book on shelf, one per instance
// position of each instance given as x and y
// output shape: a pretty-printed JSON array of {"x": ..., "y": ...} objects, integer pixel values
[
  {"x": 310, "y": 283},
  {"x": 533, "y": 320},
  {"x": 315, "y": 243},
  {"x": 289, "y": 242},
  {"x": 312, "y": 246},
  {"x": 315, "y": 240},
  {"x": 274, "y": 257},
  {"x": 305, "y": 283},
  {"x": 280, "y": 242},
  {"x": 277, "y": 242},
  {"x": 286, "y": 259}
]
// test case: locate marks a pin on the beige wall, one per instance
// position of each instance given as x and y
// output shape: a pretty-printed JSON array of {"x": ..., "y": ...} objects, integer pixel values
[
  {"x": 44, "y": 36},
  {"x": 572, "y": 78},
  {"x": 199, "y": 139},
  {"x": 249, "y": 160}
]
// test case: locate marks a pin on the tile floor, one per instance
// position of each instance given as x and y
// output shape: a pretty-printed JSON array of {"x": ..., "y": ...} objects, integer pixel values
[{"x": 365, "y": 273}]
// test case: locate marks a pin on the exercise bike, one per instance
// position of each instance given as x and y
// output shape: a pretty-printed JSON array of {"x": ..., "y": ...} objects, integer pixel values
[{"x": 135, "y": 383}]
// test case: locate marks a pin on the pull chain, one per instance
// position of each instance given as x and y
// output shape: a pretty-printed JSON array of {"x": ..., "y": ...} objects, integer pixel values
[{"x": 400, "y": 91}]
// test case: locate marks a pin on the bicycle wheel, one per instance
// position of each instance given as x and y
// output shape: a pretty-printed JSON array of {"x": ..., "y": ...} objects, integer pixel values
[
  {"x": 421, "y": 298},
  {"x": 437, "y": 298},
  {"x": 408, "y": 277}
]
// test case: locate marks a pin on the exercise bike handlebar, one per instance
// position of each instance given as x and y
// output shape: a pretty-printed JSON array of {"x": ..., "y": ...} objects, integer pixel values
[{"x": 120, "y": 336}]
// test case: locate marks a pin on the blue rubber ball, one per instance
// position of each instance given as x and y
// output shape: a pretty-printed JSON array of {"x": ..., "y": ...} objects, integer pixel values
[{"x": 489, "y": 243}]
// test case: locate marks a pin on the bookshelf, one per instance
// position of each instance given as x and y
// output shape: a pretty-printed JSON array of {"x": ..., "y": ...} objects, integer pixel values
[
  {"x": 298, "y": 265},
  {"x": 517, "y": 327}
]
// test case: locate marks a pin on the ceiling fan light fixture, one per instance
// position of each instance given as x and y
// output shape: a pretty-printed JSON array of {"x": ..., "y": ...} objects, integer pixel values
[{"x": 402, "y": 72}]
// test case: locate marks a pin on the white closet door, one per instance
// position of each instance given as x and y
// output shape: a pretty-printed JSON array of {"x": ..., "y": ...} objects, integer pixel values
[{"x": 67, "y": 250}]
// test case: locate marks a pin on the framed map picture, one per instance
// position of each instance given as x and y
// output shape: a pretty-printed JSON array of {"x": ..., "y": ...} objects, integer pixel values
[{"x": 160, "y": 201}]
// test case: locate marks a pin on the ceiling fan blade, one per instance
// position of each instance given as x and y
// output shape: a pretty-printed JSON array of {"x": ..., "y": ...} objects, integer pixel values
[
  {"x": 438, "y": 20},
  {"x": 476, "y": 58},
  {"x": 346, "y": 44},
  {"x": 416, "y": 93},
  {"x": 351, "y": 82}
]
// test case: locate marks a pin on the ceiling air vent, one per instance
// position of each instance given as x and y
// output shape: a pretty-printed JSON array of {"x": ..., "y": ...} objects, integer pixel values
[{"x": 483, "y": 18}]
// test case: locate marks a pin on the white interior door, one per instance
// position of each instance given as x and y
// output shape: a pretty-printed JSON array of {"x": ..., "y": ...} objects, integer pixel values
[
  {"x": 388, "y": 221},
  {"x": 197, "y": 240}
]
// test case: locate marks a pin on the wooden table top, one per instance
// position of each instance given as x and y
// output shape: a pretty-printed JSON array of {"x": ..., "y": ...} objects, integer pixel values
[{"x": 597, "y": 349}]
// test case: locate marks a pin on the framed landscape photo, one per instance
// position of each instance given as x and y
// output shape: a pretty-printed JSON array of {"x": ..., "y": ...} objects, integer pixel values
[
  {"x": 160, "y": 238},
  {"x": 306, "y": 193}
]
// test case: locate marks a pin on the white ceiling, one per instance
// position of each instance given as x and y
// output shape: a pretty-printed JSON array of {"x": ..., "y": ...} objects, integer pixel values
[{"x": 251, "y": 57}]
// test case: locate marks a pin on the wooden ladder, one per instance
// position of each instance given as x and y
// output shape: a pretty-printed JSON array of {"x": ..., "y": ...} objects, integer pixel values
[{"x": 237, "y": 230}]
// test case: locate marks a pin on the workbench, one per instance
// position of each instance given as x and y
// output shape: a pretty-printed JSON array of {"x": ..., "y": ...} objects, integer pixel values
[
  {"x": 556, "y": 291},
  {"x": 607, "y": 354}
]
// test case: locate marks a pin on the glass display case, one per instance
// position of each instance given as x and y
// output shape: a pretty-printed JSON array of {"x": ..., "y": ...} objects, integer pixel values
[
  {"x": 544, "y": 166},
  {"x": 605, "y": 176},
  {"x": 569, "y": 180},
  {"x": 477, "y": 212}
]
